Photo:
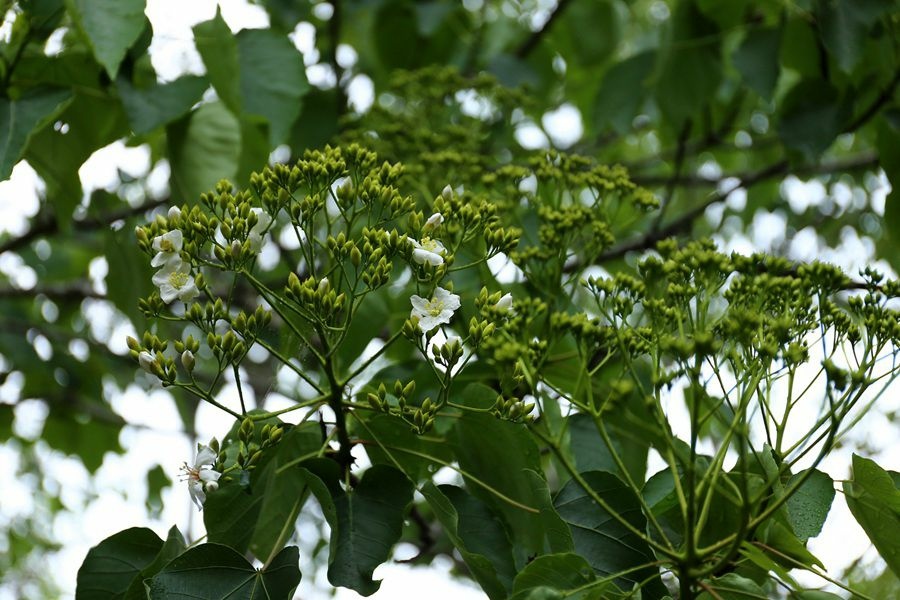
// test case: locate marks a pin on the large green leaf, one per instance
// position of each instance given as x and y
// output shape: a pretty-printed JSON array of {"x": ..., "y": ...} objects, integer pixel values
[
  {"x": 810, "y": 117},
  {"x": 606, "y": 543},
  {"x": 845, "y": 27},
  {"x": 592, "y": 454},
  {"x": 622, "y": 91},
  {"x": 111, "y": 27},
  {"x": 365, "y": 521},
  {"x": 478, "y": 536},
  {"x": 272, "y": 80},
  {"x": 111, "y": 565},
  {"x": 213, "y": 572},
  {"x": 160, "y": 104},
  {"x": 888, "y": 143},
  {"x": 874, "y": 500},
  {"x": 561, "y": 572},
  {"x": 171, "y": 548},
  {"x": 204, "y": 147},
  {"x": 731, "y": 587},
  {"x": 130, "y": 275},
  {"x": 69, "y": 432},
  {"x": 19, "y": 118},
  {"x": 808, "y": 508},
  {"x": 218, "y": 49},
  {"x": 757, "y": 59}
]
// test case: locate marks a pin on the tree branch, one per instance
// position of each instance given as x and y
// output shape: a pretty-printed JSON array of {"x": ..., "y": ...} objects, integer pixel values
[
  {"x": 534, "y": 39},
  {"x": 49, "y": 225}
]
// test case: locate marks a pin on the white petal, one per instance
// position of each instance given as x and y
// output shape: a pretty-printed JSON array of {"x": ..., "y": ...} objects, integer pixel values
[
  {"x": 434, "y": 220},
  {"x": 146, "y": 360},
  {"x": 167, "y": 292},
  {"x": 420, "y": 305},
  {"x": 197, "y": 495},
  {"x": 422, "y": 256},
  {"x": 505, "y": 303},
  {"x": 205, "y": 456},
  {"x": 207, "y": 475}
]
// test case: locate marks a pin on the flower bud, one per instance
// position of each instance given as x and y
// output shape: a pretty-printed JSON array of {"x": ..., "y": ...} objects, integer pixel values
[
  {"x": 505, "y": 303},
  {"x": 212, "y": 486},
  {"x": 174, "y": 213},
  {"x": 447, "y": 192},
  {"x": 146, "y": 360},
  {"x": 187, "y": 360}
]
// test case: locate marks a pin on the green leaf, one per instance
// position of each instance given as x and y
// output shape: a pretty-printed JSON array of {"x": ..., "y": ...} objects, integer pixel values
[
  {"x": 204, "y": 148},
  {"x": 171, "y": 548},
  {"x": 272, "y": 79},
  {"x": 732, "y": 587},
  {"x": 395, "y": 32},
  {"x": 888, "y": 143},
  {"x": 160, "y": 104},
  {"x": 130, "y": 274},
  {"x": 88, "y": 440},
  {"x": 478, "y": 536},
  {"x": 810, "y": 117},
  {"x": 157, "y": 480},
  {"x": 808, "y": 507},
  {"x": 845, "y": 26},
  {"x": 592, "y": 454},
  {"x": 219, "y": 50},
  {"x": 782, "y": 540},
  {"x": 111, "y": 27},
  {"x": 608, "y": 545},
  {"x": 874, "y": 500},
  {"x": 563, "y": 572},
  {"x": 111, "y": 565},
  {"x": 691, "y": 66},
  {"x": 365, "y": 522},
  {"x": 815, "y": 595},
  {"x": 622, "y": 91},
  {"x": 318, "y": 121},
  {"x": 757, "y": 60},
  {"x": 20, "y": 118},
  {"x": 481, "y": 442},
  {"x": 605, "y": 20},
  {"x": 213, "y": 571}
]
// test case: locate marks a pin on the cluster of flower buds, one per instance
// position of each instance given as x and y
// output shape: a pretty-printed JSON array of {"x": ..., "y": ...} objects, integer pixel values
[{"x": 512, "y": 409}]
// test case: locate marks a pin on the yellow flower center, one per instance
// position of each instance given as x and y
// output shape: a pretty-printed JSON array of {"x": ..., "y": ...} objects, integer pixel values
[
  {"x": 429, "y": 244},
  {"x": 166, "y": 245},
  {"x": 178, "y": 279},
  {"x": 434, "y": 307}
]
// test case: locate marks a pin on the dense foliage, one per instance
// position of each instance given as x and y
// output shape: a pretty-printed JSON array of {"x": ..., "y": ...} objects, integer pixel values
[{"x": 445, "y": 295}]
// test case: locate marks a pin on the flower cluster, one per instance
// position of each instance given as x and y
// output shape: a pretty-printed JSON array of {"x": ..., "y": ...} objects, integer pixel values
[{"x": 174, "y": 279}]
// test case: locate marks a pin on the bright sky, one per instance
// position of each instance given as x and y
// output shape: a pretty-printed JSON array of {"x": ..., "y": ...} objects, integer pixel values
[{"x": 116, "y": 496}]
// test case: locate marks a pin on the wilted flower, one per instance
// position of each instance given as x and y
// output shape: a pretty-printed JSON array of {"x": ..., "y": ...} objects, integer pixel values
[
  {"x": 174, "y": 280},
  {"x": 436, "y": 311},
  {"x": 168, "y": 248},
  {"x": 428, "y": 251},
  {"x": 201, "y": 477},
  {"x": 255, "y": 237}
]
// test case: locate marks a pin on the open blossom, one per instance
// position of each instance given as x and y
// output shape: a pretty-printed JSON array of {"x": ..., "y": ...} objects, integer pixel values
[
  {"x": 168, "y": 248},
  {"x": 505, "y": 303},
  {"x": 174, "y": 280},
  {"x": 436, "y": 311},
  {"x": 201, "y": 477},
  {"x": 428, "y": 251},
  {"x": 255, "y": 237}
]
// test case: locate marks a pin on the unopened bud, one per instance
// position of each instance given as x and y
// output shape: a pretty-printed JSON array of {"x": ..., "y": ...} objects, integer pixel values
[
  {"x": 146, "y": 360},
  {"x": 187, "y": 360}
]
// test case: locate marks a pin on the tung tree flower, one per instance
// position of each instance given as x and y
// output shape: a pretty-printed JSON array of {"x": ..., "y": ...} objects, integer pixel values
[
  {"x": 174, "y": 280},
  {"x": 436, "y": 311},
  {"x": 428, "y": 251},
  {"x": 505, "y": 303},
  {"x": 433, "y": 222},
  {"x": 255, "y": 237},
  {"x": 168, "y": 248},
  {"x": 201, "y": 477}
]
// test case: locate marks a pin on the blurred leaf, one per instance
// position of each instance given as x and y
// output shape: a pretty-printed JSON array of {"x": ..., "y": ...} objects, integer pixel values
[
  {"x": 600, "y": 27},
  {"x": 845, "y": 27},
  {"x": 808, "y": 507},
  {"x": 757, "y": 60},
  {"x": 111, "y": 27},
  {"x": 157, "y": 481},
  {"x": 272, "y": 79},
  {"x": 607, "y": 545},
  {"x": 810, "y": 117},
  {"x": 622, "y": 91},
  {"x": 874, "y": 500},
  {"x": 478, "y": 536},
  {"x": 130, "y": 275},
  {"x": 216, "y": 571},
  {"x": 365, "y": 522},
  {"x": 20, "y": 118},
  {"x": 111, "y": 565},
  {"x": 205, "y": 147},
  {"x": 395, "y": 33},
  {"x": 317, "y": 122},
  {"x": 160, "y": 104},
  {"x": 888, "y": 143},
  {"x": 88, "y": 440},
  {"x": 218, "y": 47}
]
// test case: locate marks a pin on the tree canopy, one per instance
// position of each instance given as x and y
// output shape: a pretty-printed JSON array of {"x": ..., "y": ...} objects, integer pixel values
[{"x": 452, "y": 279}]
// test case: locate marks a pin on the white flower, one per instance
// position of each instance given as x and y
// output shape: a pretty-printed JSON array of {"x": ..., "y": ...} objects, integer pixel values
[
  {"x": 505, "y": 303},
  {"x": 436, "y": 311},
  {"x": 174, "y": 213},
  {"x": 168, "y": 248},
  {"x": 255, "y": 237},
  {"x": 174, "y": 280},
  {"x": 433, "y": 222},
  {"x": 146, "y": 360},
  {"x": 428, "y": 251},
  {"x": 201, "y": 477}
]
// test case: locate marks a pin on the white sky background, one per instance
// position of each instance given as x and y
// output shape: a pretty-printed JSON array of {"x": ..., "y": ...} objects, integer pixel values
[{"x": 120, "y": 484}]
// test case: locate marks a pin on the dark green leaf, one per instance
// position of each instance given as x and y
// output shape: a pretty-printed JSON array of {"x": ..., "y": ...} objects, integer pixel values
[
  {"x": 732, "y": 587},
  {"x": 157, "y": 480},
  {"x": 219, "y": 50},
  {"x": 603, "y": 17},
  {"x": 111, "y": 565},
  {"x": 130, "y": 275},
  {"x": 172, "y": 547},
  {"x": 609, "y": 545},
  {"x": 565, "y": 571},
  {"x": 213, "y": 572},
  {"x": 757, "y": 59},
  {"x": 874, "y": 500},
  {"x": 365, "y": 522},
  {"x": 88, "y": 440},
  {"x": 317, "y": 123},
  {"x": 592, "y": 454},
  {"x": 160, "y": 104},
  {"x": 395, "y": 33},
  {"x": 272, "y": 80},
  {"x": 845, "y": 27},
  {"x": 19, "y": 118},
  {"x": 810, "y": 117},
  {"x": 478, "y": 536},
  {"x": 205, "y": 147},
  {"x": 888, "y": 142},
  {"x": 111, "y": 27},
  {"x": 622, "y": 91},
  {"x": 808, "y": 507}
]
